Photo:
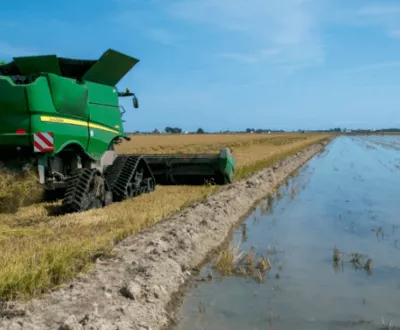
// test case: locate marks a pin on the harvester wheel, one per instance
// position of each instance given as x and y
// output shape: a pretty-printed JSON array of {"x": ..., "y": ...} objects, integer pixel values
[
  {"x": 150, "y": 186},
  {"x": 96, "y": 193},
  {"x": 128, "y": 177},
  {"x": 108, "y": 197},
  {"x": 86, "y": 189}
]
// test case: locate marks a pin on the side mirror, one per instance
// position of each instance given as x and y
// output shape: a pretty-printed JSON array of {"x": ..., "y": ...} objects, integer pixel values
[{"x": 135, "y": 102}]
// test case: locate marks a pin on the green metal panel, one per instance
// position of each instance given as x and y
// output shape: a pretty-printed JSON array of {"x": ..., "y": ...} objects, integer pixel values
[
  {"x": 78, "y": 111},
  {"x": 69, "y": 96},
  {"x": 14, "y": 113},
  {"x": 105, "y": 117},
  {"x": 35, "y": 64},
  {"x": 227, "y": 163},
  {"x": 29, "y": 65},
  {"x": 65, "y": 132},
  {"x": 67, "y": 128},
  {"x": 102, "y": 94},
  {"x": 63, "y": 107},
  {"x": 193, "y": 169},
  {"x": 39, "y": 97},
  {"x": 110, "y": 68},
  {"x": 99, "y": 141}
]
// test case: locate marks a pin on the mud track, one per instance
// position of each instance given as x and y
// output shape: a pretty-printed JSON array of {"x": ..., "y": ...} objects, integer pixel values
[{"x": 137, "y": 288}]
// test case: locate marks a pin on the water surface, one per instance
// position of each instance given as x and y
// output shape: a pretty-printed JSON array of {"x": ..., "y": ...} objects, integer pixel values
[{"x": 347, "y": 196}]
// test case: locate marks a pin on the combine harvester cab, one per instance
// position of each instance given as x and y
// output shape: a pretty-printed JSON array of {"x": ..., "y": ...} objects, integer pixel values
[{"x": 63, "y": 116}]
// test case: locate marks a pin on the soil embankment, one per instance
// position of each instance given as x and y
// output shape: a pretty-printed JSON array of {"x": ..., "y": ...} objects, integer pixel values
[{"x": 134, "y": 289}]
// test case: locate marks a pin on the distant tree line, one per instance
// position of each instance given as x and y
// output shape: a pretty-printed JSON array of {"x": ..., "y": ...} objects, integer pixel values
[
  {"x": 263, "y": 130},
  {"x": 178, "y": 130},
  {"x": 388, "y": 130},
  {"x": 173, "y": 130}
]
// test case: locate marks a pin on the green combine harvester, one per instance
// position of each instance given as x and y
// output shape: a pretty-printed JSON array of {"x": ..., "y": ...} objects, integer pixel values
[{"x": 63, "y": 116}]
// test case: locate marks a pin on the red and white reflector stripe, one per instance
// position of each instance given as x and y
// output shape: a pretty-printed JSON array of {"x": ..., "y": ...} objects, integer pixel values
[{"x": 43, "y": 142}]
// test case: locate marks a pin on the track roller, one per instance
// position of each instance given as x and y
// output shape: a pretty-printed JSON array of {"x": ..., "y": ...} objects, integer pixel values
[
  {"x": 86, "y": 189},
  {"x": 128, "y": 177}
]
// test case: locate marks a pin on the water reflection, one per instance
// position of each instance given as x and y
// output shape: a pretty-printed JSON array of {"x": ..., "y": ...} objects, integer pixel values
[{"x": 331, "y": 235}]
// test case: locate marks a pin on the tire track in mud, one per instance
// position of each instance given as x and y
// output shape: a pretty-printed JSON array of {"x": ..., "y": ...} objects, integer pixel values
[{"x": 141, "y": 285}]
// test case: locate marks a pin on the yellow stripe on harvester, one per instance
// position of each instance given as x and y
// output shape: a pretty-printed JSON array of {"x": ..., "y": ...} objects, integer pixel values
[
  {"x": 60, "y": 120},
  {"x": 75, "y": 122},
  {"x": 91, "y": 125}
]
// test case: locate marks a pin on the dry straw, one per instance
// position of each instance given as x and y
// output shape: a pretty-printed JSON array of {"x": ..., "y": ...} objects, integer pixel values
[{"x": 40, "y": 251}]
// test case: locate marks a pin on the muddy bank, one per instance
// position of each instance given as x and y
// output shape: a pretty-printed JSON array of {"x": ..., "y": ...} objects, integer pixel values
[{"x": 133, "y": 289}]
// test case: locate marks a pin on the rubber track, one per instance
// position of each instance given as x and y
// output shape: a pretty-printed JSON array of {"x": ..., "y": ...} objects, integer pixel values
[
  {"x": 77, "y": 188},
  {"x": 121, "y": 172}
]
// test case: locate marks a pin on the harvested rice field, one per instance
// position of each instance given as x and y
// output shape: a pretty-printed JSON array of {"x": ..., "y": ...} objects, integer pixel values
[{"x": 41, "y": 251}]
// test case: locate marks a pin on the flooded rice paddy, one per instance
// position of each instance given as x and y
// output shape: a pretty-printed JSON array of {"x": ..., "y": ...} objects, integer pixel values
[{"x": 323, "y": 253}]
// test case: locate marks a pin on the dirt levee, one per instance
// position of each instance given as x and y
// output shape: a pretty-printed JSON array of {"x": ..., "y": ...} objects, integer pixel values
[{"x": 133, "y": 289}]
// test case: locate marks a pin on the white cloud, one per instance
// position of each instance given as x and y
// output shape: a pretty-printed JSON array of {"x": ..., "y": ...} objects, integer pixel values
[
  {"x": 286, "y": 35},
  {"x": 251, "y": 58},
  {"x": 384, "y": 15},
  {"x": 292, "y": 26},
  {"x": 379, "y": 10},
  {"x": 395, "y": 33},
  {"x": 161, "y": 35},
  {"x": 370, "y": 67}
]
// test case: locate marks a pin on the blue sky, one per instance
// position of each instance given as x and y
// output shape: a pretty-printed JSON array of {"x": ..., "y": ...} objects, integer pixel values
[{"x": 219, "y": 64}]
